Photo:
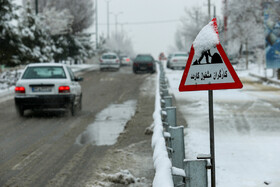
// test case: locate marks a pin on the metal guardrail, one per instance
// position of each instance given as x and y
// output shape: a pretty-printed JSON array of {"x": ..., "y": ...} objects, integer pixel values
[{"x": 186, "y": 173}]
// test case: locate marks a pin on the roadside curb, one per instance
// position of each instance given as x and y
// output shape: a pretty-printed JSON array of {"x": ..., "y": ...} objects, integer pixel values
[{"x": 265, "y": 79}]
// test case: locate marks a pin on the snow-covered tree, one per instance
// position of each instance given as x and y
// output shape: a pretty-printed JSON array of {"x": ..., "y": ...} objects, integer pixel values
[
  {"x": 81, "y": 10},
  {"x": 36, "y": 37},
  {"x": 245, "y": 23},
  {"x": 191, "y": 23},
  {"x": 120, "y": 44},
  {"x": 59, "y": 22},
  {"x": 179, "y": 41},
  {"x": 10, "y": 39},
  {"x": 73, "y": 47},
  {"x": 245, "y": 26}
]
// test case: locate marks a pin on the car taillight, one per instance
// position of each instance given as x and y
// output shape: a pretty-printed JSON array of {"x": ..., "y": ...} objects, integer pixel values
[
  {"x": 174, "y": 60},
  {"x": 64, "y": 89},
  {"x": 150, "y": 64},
  {"x": 101, "y": 60},
  {"x": 127, "y": 60},
  {"x": 19, "y": 89},
  {"x": 135, "y": 64},
  {"x": 117, "y": 61}
]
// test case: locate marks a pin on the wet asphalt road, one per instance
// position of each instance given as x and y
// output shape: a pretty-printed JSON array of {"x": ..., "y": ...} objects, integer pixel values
[{"x": 40, "y": 149}]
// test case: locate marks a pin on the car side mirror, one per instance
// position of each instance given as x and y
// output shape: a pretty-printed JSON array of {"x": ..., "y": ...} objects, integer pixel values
[{"x": 78, "y": 79}]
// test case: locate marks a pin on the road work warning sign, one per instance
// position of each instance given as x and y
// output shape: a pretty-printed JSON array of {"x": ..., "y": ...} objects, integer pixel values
[{"x": 208, "y": 67}]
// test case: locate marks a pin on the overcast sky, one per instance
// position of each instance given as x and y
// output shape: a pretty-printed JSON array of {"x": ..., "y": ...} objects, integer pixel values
[{"x": 150, "y": 37}]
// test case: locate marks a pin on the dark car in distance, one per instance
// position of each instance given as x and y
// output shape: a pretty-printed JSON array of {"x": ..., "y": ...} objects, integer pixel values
[{"x": 144, "y": 63}]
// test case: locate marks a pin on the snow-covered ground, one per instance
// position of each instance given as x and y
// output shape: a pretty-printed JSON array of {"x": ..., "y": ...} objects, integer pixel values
[{"x": 247, "y": 132}]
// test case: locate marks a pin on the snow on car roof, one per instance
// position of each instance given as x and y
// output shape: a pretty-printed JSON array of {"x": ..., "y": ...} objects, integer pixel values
[
  {"x": 46, "y": 64},
  {"x": 109, "y": 53},
  {"x": 180, "y": 52}
]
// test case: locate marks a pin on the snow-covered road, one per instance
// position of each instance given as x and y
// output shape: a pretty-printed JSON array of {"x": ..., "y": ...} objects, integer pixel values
[
  {"x": 40, "y": 150},
  {"x": 247, "y": 130}
]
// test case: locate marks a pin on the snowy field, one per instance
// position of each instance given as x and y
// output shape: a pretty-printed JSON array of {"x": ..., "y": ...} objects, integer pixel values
[{"x": 247, "y": 132}]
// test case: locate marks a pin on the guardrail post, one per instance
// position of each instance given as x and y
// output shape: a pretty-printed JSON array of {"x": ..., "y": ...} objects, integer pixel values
[
  {"x": 178, "y": 150},
  {"x": 163, "y": 80},
  {"x": 196, "y": 173},
  {"x": 163, "y": 86},
  {"x": 168, "y": 101},
  {"x": 163, "y": 92},
  {"x": 167, "y": 137},
  {"x": 171, "y": 116}
]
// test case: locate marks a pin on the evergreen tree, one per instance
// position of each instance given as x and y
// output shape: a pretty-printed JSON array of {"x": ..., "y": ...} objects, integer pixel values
[
  {"x": 11, "y": 46},
  {"x": 36, "y": 37}
]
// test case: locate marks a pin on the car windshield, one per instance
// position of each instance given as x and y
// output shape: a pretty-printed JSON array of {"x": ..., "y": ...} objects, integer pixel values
[
  {"x": 109, "y": 57},
  {"x": 183, "y": 54},
  {"x": 45, "y": 72},
  {"x": 144, "y": 59}
]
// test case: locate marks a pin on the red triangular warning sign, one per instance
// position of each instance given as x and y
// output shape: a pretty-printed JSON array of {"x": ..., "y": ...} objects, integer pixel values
[{"x": 210, "y": 68}]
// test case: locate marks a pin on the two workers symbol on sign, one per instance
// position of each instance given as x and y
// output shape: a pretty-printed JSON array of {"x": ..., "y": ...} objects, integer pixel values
[{"x": 215, "y": 58}]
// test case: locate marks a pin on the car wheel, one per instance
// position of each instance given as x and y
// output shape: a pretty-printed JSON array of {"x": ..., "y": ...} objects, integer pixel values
[
  {"x": 20, "y": 110},
  {"x": 73, "y": 109},
  {"x": 80, "y": 102}
]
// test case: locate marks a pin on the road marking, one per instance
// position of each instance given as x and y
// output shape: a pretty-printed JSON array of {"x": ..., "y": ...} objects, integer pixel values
[
  {"x": 65, "y": 172},
  {"x": 31, "y": 157},
  {"x": 106, "y": 79}
]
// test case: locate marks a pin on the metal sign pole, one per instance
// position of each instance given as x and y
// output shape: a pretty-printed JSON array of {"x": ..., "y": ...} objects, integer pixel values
[{"x": 212, "y": 140}]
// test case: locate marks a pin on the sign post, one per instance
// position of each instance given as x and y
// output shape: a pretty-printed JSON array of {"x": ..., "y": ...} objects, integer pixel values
[
  {"x": 212, "y": 138},
  {"x": 208, "y": 68}
]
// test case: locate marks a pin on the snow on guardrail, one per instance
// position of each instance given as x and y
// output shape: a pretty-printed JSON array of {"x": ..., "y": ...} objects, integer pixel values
[{"x": 162, "y": 164}]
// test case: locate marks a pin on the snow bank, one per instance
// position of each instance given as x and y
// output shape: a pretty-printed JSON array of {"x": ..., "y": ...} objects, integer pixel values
[
  {"x": 162, "y": 164},
  {"x": 123, "y": 178},
  {"x": 206, "y": 39},
  {"x": 178, "y": 171}
]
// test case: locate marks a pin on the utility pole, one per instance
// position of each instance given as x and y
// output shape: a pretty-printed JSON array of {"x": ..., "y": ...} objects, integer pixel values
[
  {"x": 116, "y": 23},
  {"x": 214, "y": 11},
  {"x": 122, "y": 27},
  {"x": 196, "y": 18},
  {"x": 225, "y": 22},
  {"x": 108, "y": 22},
  {"x": 209, "y": 9},
  {"x": 96, "y": 24},
  {"x": 116, "y": 20},
  {"x": 36, "y": 7}
]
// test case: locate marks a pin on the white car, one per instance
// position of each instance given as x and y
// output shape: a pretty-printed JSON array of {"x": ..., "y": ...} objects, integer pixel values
[
  {"x": 48, "y": 86},
  {"x": 109, "y": 61},
  {"x": 178, "y": 60},
  {"x": 125, "y": 61}
]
